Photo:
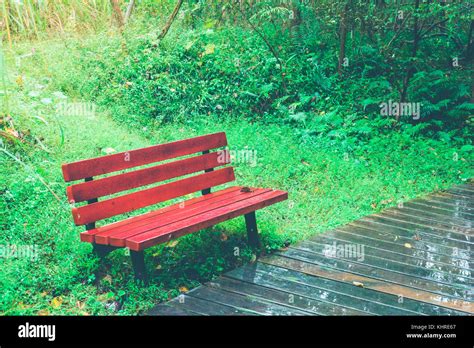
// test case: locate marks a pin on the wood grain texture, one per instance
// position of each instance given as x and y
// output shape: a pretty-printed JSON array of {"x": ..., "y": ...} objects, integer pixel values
[
  {"x": 146, "y": 176},
  {"x": 134, "y": 158},
  {"x": 133, "y": 201},
  {"x": 204, "y": 220}
]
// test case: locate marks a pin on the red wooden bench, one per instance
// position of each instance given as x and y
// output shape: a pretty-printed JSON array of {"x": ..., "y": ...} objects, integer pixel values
[{"x": 146, "y": 230}]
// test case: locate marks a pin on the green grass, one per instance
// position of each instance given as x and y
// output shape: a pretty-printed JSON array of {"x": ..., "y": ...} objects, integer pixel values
[{"x": 327, "y": 187}]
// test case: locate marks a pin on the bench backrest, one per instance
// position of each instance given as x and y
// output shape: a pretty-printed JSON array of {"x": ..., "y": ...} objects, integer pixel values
[{"x": 94, "y": 188}]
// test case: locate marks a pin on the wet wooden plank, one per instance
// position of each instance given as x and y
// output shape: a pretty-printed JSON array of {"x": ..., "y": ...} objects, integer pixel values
[
  {"x": 260, "y": 292},
  {"x": 316, "y": 299},
  {"x": 401, "y": 237},
  {"x": 440, "y": 209},
  {"x": 377, "y": 270},
  {"x": 461, "y": 192},
  {"x": 169, "y": 310},
  {"x": 331, "y": 292},
  {"x": 393, "y": 225},
  {"x": 404, "y": 246},
  {"x": 452, "y": 200},
  {"x": 377, "y": 260},
  {"x": 415, "y": 237},
  {"x": 243, "y": 303},
  {"x": 371, "y": 283},
  {"x": 204, "y": 307},
  {"x": 289, "y": 277},
  {"x": 408, "y": 220},
  {"x": 445, "y": 204},
  {"x": 469, "y": 189},
  {"x": 403, "y": 254},
  {"x": 431, "y": 215}
]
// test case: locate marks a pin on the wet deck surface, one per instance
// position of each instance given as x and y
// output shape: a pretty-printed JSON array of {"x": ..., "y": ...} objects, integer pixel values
[{"x": 410, "y": 260}]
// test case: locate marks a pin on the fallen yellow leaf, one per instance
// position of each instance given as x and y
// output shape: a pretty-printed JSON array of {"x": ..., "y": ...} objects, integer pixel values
[
  {"x": 183, "y": 289},
  {"x": 408, "y": 245},
  {"x": 19, "y": 81},
  {"x": 359, "y": 284},
  {"x": 173, "y": 243},
  {"x": 56, "y": 302},
  {"x": 209, "y": 49}
]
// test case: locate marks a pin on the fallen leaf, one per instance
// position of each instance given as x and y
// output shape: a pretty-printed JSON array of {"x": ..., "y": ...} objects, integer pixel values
[
  {"x": 359, "y": 284},
  {"x": 43, "y": 312},
  {"x": 57, "y": 302},
  {"x": 80, "y": 304},
  {"x": 183, "y": 289},
  {"x": 253, "y": 258},
  {"x": 109, "y": 150},
  {"x": 209, "y": 49},
  {"x": 373, "y": 205},
  {"x": 305, "y": 163},
  {"x": 13, "y": 132},
  {"x": 408, "y": 245},
  {"x": 223, "y": 237},
  {"x": 105, "y": 297},
  {"x": 107, "y": 279},
  {"x": 158, "y": 267},
  {"x": 19, "y": 80},
  {"x": 173, "y": 243}
]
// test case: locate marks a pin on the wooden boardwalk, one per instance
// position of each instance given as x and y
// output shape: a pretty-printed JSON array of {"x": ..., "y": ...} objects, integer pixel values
[{"x": 415, "y": 259}]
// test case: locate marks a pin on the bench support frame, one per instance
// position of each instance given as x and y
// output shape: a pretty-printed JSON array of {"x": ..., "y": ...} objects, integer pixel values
[
  {"x": 138, "y": 257},
  {"x": 102, "y": 250},
  {"x": 207, "y": 190},
  {"x": 252, "y": 231},
  {"x": 138, "y": 263}
]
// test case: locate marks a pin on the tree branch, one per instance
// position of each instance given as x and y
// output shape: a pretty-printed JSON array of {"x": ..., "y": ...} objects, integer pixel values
[
  {"x": 170, "y": 20},
  {"x": 130, "y": 7}
]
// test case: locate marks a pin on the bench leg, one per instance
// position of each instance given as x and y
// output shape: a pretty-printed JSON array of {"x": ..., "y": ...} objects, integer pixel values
[
  {"x": 252, "y": 231},
  {"x": 102, "y": 250},
  {"x": 138, "y": 262}
]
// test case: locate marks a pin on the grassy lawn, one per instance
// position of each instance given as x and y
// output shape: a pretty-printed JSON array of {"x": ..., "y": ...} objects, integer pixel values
[{"x": 328, "y": 186}]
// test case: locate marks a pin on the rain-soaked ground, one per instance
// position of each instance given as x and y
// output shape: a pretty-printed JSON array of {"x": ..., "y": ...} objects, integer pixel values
[{"x": 415, "y": 259}]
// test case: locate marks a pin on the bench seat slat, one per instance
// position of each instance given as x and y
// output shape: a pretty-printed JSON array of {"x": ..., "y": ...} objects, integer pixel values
[
  {"x": 126, "y": 181},
  {"x": 88, "y": 236},
  {"x": 120, "y": 235},
  {"x": 136, "y": 200},
  {"x": 207, "y": 219},
  {"x": 134, "y": 158}
]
